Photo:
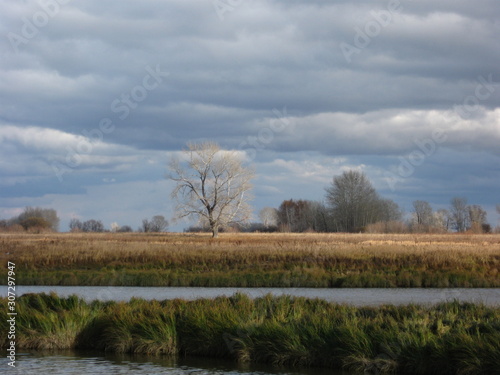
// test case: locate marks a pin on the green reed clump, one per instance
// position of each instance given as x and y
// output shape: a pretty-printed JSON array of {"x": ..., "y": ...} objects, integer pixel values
[
  {"x": 45, "y": 321},
  {"x": 448, "y": 338},
  {"x": 139, "y": 326}
]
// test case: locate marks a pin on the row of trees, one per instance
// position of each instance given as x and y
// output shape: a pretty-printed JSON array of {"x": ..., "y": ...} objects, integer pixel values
[
  {"x": 157, "y": 224},
  {"x": 305, "y": 215},
  {"x": 460, "y": 217},
  {"x": 75, "y": 225},
  {"x": 381, "y": 215},
  {"x": 351, "y": 205},
  {"x": 39, "y": 220}
]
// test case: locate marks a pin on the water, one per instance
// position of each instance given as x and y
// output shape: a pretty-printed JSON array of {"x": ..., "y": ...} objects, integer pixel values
[
  {"x": 78, "y": 363},
  {"x": 354, "y": 296}
]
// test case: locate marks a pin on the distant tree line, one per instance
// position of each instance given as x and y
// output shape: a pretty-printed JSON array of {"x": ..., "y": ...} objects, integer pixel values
[
  {"x": 157, "y": 224},
  {"x": 460, "y": 217},
  {"x": 351, "y": 204},
  {"x": 75, "y": 225},
  {"x": 43, "y": 220}
]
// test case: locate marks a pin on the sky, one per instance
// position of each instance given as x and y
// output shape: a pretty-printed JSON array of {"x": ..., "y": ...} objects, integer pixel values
[{"x": 96, "y": 97}]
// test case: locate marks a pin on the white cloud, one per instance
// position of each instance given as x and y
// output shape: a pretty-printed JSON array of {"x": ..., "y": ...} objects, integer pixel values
[
  {"x": 389, "y": 132},
  {"x": 34, "y": 153}
]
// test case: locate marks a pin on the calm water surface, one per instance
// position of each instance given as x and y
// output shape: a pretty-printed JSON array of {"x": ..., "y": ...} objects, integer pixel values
[
  {"x": 80, "y": 363},
  {"x": 354, "y": 296}
]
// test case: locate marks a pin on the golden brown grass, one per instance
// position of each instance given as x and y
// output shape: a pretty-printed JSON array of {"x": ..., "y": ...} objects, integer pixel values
[{"x": 295, "y": 259}]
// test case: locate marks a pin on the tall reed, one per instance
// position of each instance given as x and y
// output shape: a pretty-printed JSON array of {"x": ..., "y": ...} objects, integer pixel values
[{"x": 449, "y": 338}]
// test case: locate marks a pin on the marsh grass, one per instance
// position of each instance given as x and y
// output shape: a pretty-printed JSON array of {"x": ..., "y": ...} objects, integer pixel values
[
  {"x": 255, "y": 260},
  {"x": 449, "y": 338},
  {"x": 50, "y": 322}
]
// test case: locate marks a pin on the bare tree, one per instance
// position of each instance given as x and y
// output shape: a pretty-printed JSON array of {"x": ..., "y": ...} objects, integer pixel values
[
  {"x": 477, "y": 218},
  {"x": 269, "y": 216},
  {"x": 298, "y": 215},
  {"x": 442, "y": 219},
  {"x": 145, "y": 226},
  {"x": 423, "y": 213},
  {"x": 212, "y": 185},
  {"x": 321, "y": 217},
  {"x": 389, "y": 211},
  {"x": 353, "y": 200},
  {"x": 459, "y": 214},
  {"x": 158, "y": 224},
  {"x": 291, "y": 215}
]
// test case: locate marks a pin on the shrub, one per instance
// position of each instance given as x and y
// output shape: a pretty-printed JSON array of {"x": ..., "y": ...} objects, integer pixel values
[{"x": 35, "y": 224}]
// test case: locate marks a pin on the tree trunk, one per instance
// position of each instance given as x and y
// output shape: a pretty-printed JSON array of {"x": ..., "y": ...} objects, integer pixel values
[
  {"x": 215, "y": 232},
  {"x": 214, "y": 225}
]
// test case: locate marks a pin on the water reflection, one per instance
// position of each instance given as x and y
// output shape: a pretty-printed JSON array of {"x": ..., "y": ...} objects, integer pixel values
[{"x": 84, "y": 362}]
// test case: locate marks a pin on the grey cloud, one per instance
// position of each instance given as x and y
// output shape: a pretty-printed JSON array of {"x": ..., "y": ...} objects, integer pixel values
[{"x": 226, "y": 77}]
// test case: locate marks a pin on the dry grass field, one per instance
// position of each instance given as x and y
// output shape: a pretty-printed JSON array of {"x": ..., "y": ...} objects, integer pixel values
[{"x": 280, "y": 260}]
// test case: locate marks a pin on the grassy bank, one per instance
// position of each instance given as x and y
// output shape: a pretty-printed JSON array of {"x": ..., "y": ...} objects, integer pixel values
[
  {"x": 254, "y": 260},
  {"x": 449, "y": 338}
]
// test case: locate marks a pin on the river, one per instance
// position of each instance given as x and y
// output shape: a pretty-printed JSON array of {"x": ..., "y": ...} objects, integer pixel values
[
  {"x": 69, "y": 362},
  {"x": 352, "y": 296}
]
